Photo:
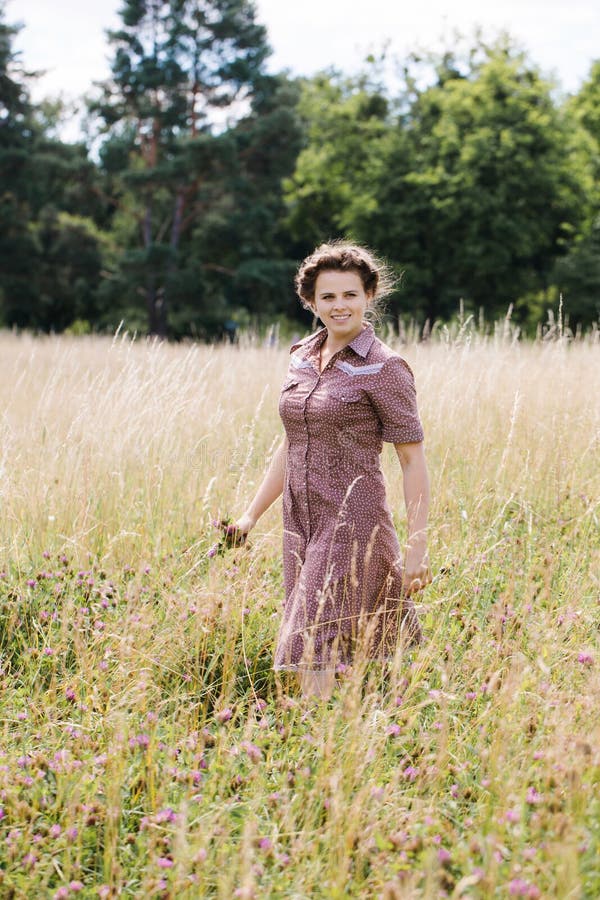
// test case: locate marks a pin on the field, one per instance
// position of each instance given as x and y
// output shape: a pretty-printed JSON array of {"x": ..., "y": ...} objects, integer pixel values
[{"x": 148, "y": 750}]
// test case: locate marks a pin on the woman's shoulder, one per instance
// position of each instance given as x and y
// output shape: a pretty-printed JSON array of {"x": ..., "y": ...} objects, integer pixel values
[
  {"x": 301, "y": 342},
  {"x": 380, "y": 352}
]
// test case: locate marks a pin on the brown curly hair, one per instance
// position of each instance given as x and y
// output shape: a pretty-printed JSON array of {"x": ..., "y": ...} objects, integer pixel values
[{"x": 343, "y": 256}]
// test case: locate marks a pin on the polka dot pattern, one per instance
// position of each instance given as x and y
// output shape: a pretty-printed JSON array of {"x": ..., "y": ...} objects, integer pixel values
[{"x": 341, "y": 556}]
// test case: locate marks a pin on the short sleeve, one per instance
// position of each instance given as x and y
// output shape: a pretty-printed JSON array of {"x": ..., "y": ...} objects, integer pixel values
[{"x": 394, "y": 398}]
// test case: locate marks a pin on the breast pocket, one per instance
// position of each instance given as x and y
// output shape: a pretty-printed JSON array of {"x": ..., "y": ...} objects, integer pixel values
[{"x": 345, "y": 394}]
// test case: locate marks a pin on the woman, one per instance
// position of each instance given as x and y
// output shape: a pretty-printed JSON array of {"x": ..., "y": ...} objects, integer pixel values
[{"x": 347, "y": 590}]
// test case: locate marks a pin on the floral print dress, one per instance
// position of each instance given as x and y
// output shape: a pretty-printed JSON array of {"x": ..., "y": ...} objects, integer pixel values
[{"x": 341, "y": 556}]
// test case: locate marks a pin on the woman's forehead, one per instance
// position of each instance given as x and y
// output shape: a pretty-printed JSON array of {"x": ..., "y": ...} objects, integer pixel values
[{"x": 338, "y": 281}]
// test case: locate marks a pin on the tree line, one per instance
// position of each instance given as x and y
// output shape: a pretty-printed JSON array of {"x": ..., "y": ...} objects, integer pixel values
[{"x": 205, "y": 180}]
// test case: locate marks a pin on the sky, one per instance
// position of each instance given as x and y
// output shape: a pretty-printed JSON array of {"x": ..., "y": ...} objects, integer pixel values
[{"x": 66, "y": 38}]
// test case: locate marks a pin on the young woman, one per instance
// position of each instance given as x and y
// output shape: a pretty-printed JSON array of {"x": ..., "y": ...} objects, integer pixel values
[{"x": 347, "y": 589}]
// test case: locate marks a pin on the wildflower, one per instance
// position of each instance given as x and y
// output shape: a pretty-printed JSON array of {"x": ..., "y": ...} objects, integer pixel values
[
  {"x": 265, "y": 844},
  {"x": 443, "y": 856},
  {"x": 75, "y": 886},
  {"x": 532, "y": 797},
  {"x": 61, "y": 893},
  {"x": 410, "y": 773},
  {"x": 394, "y": 730},
  {"x": 518, "y": 887},
  {"x": 586, "y": 659},
  {"x": 166, "y": 815},
  {"x": 252, "y": 750},
  {"x": 72, "y": 834},
  {"x": 55, "y": 831},
  {"x": 164, "y": 862},
  {"x": 223, "y": 715}
]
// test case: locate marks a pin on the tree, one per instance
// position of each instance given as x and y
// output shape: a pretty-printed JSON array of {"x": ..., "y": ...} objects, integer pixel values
[
  {"x": 345, "y": 121},
  {"x": 177, "y": 63},
  {"x": 50, "y": 249},
  {"x": 479, "y": 193},
  {"x": 577, "y": 274},
  {"x": 243, "y": 229},
  {"x": 464, "y": 180},
  {"x": 17, "y": 131}
]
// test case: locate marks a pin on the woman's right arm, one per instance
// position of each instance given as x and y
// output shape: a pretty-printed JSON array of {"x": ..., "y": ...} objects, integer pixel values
[{"x": 270, "y": 489}]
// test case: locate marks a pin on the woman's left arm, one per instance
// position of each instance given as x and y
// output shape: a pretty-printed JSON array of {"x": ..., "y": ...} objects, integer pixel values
[{"x": 417, "y": 572}]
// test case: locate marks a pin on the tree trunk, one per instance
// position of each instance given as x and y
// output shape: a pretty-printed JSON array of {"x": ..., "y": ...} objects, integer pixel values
[
  {"x": 155, "y": 305},
  {"x": 174, "y": 245}
]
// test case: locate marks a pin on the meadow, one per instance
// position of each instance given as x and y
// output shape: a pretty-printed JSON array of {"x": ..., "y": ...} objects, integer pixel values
[{"x": 147, "y": 749}]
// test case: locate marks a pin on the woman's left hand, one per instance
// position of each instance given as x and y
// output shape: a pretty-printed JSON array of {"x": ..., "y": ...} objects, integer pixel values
[{"x": 417, "y": 571}]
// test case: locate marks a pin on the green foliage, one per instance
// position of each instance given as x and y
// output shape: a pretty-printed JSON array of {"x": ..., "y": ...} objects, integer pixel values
[
  {"x": 50, "y": 245},
  {"x": 346, "y": 124},
  {"x": 176, "y": 63},
  {"x": 577, "y": 274},
  {"x": 466, "y": 183},
  {"x": 213, "y": 179}
]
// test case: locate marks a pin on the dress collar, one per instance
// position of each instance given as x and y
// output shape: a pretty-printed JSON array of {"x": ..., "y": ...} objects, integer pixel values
[{"x": 361, "y": 344}]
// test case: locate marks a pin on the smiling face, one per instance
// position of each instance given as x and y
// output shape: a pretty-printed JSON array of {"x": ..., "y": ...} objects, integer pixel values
[{"x": 340, "y": 302}]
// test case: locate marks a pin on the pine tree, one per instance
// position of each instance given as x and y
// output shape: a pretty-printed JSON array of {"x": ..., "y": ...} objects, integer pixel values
[
  {"x": 17, "y": 130},
  {"x": 179, "y": 66}
]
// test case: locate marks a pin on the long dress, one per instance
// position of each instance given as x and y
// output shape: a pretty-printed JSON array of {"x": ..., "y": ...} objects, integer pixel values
[{"x": 342, "y": 561}]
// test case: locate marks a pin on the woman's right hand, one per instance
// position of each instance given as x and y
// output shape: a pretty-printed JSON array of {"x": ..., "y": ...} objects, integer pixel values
[
  {"x": 233, "y": 534},
  {"x": 245, "y": 523}
]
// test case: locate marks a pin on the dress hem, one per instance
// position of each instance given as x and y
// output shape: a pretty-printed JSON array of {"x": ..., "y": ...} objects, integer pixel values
[{"x": 339, "y": 669}]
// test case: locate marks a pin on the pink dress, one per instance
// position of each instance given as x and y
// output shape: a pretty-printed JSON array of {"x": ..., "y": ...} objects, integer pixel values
[{"x": 341, "y": 556}]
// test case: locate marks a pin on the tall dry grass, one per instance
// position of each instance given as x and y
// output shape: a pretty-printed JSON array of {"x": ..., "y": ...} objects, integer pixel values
[{"x": 147, "y": 748}]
